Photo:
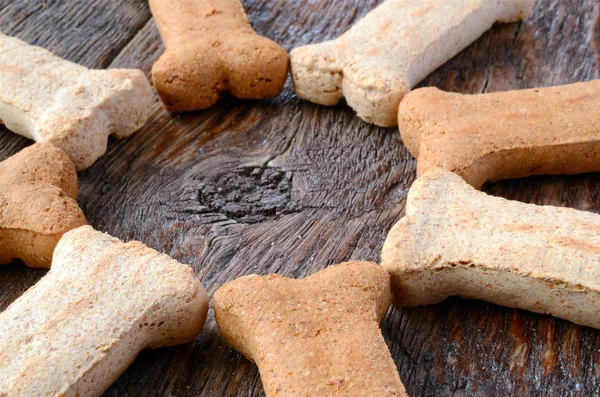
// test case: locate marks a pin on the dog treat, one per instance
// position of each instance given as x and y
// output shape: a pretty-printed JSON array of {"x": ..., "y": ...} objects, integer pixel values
[
  {"x": 502, "y": 135},
  {"x": 318, "y": 336},
  {"x": 49, "y": 99},
  {"x": 375, "y": 63},
  {"x": 38, "y": 188},
  {"x": 211, "y": 49},
  {"x": 455, "y": 240},
  {"x": 101, "y": 303}
]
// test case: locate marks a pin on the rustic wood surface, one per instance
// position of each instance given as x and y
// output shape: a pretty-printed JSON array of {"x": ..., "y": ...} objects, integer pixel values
[{"x": 288, "y": 186}]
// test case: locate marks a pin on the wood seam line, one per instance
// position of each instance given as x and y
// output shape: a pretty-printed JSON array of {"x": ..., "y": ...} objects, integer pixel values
[{"x": 110, "y": 64}]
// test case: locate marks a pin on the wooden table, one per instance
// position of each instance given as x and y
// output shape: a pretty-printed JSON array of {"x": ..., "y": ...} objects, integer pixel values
[{"x": 290, "y": 187}]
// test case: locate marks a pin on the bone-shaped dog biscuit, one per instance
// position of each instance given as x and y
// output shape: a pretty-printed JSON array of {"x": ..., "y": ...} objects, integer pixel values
[
  {"x": 502, "y": 135},
  {"x": 211, "y": 49},
  {"x": 318, "y": 336},
  {"x": 38, "y": 187},
  {"x": 49, "y": 99},
  {"x": 101, "y": 303},
  {"x": 375, "y": 63},
  {"x": 455, "y": 240}
]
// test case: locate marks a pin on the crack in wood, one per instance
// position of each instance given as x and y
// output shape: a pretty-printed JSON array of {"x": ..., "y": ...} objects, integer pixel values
[{"x": 250, "y": 195}]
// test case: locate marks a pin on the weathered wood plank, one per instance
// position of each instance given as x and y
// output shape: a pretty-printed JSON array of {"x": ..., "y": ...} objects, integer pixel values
[{"x": 290, "y": 187}]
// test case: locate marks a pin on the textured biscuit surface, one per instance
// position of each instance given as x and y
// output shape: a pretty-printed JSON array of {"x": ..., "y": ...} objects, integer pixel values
[
  {"x": 211, "y": 49},
  {"x": 501, "y": 135},
  {"x": 375, "y": 63},
  {"x": 455, "y": 240},
  {"x": 102, "y": 302},
  {"x": 318, "y": 336},
  {"x": 49, "y": 99},
  {"x": 40, "y": 163},
  {"x": 38, "y": 188}
]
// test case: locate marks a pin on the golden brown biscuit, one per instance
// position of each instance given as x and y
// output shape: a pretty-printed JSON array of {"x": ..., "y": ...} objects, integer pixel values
[
  {"x": 38, "y": 187},
  {"x": 40, "y": 163},
  {"x": 318, "y": 336},
  {"x": 502, "y": 135},
  {"x": 211, "y": 49}
]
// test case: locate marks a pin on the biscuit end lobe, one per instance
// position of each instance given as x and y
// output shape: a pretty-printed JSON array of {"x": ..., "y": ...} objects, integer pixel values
[
  {"x": 97, "y": 104},
  {"x": 316, "y": 73},
  {"x": 132, "y": 90},
  {"x": 427, "y": 129},
  {"x": 194, "y": 76},
  {"x": 181, "y": 306},
  {"x": 394, "y": 259},
  {"x": 31, "y": 232},
  {"x": 190, "y": 315},
  {"x": 374, "y": 98},
  {"x": 256, "y": 67},
  {"x": 38, "y": 188},
  {"x": 399, "y": 252},
  {"x": 187, "y": 80},
  {"x": 233, "y": 327},
  {"x": 413, "y": 113},
  {"x": 40, "y": 163}
]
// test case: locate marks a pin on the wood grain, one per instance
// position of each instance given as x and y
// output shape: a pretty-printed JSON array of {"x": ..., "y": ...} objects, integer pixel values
[{"x": 290, "y": 187}]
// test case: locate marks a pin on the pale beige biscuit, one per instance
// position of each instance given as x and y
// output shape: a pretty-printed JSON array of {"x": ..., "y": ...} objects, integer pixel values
[
  {"x": 375, "y": 63},
  {"x": 49, "y": 99},
  {"x": 211, "y": 49},
  {"x": 318, "y": 336},
  {"x": 101, "y": 303},
  {"x": 455, "y": 240},
  {"x": 502, "y": 135},
  {"x": 38, "y": 188}
]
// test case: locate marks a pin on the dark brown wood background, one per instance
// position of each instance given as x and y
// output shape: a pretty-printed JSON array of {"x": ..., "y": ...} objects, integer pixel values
[{"x": 291, "y": 187}]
